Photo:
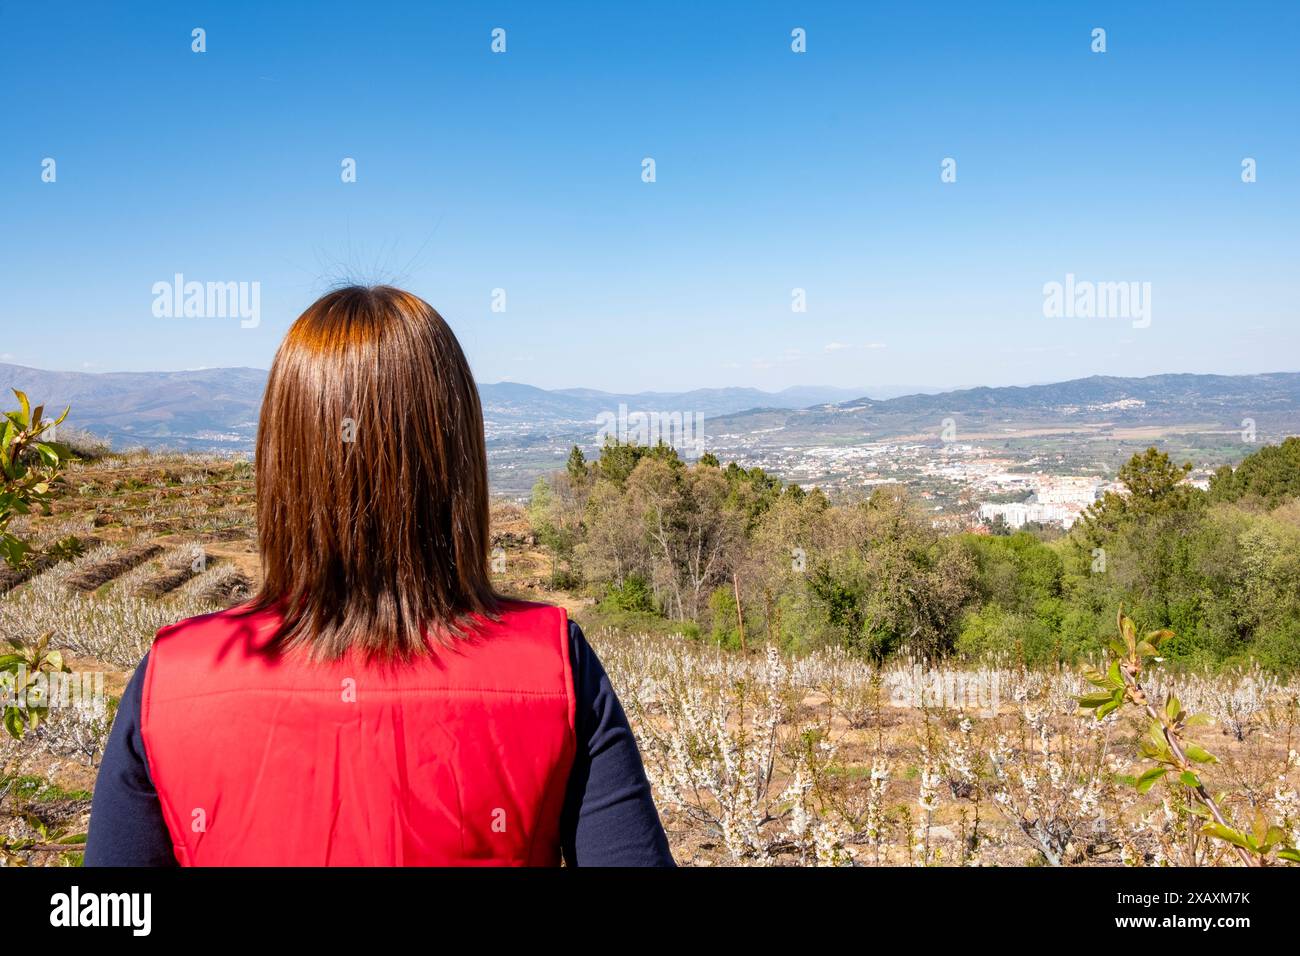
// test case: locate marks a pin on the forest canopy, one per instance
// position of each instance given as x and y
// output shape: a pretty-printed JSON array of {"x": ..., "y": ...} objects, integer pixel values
[{"x": 733, "y": 555}]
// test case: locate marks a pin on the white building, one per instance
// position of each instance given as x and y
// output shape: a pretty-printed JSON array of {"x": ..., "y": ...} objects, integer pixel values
[
  {"x": 1019, "y": 513},
  {"x": 1078, "y": 492}
]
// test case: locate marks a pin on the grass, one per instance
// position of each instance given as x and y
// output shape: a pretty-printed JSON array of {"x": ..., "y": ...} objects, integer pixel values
[{"x": 39, "y": 790}]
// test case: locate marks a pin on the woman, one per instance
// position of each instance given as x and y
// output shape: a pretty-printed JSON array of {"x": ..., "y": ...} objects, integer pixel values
[{"x": 377, "y": 703}]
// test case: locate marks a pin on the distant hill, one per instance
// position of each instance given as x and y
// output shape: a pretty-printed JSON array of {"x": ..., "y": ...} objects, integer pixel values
[
  {"x": 207, "y": 409},
  {"x": 191, "y": 410},
  {"x": 1213, "y": 401},
  {"x": 507, "y": 399}
]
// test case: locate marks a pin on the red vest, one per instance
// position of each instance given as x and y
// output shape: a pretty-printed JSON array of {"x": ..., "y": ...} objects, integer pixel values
[{"x": 459, "y": 758}]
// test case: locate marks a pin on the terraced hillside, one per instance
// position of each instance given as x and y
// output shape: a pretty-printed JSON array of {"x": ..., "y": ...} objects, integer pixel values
[
  {"x": 132, "y": 544},
  {"x": 756, "y": 758}
]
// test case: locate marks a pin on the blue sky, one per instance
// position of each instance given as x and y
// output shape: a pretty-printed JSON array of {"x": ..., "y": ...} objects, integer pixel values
[{"x": 774, "y": 171}]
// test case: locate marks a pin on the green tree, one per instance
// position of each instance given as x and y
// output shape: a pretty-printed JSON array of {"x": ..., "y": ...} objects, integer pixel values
[
  {"x": 576, "y": 466},
  {"x": 1154, "y": 485},
  {"x": 1139, "y": 548},
  {"x": 32, "y": 464},
  {"x": 1270, "y": 476},
  {"x": 693, "y": 539},
  {"x": 900, "y": 586},
  {"x": 555, "y": 513},
  {"x": 619, "y": 459},
  {"x": 751, "y": 492}
]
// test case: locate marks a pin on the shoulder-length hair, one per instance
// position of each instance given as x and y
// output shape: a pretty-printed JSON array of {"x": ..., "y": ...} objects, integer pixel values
[{"x": 371, "y": 472}]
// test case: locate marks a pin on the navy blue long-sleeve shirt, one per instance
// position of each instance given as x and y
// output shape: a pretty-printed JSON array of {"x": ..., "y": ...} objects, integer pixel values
[{"x": 609, "y": 818}]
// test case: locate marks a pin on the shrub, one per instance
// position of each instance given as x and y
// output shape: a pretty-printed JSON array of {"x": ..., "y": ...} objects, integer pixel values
[
  {"x": 31, "y": 466},
  {"x": 631, "y": 594}
]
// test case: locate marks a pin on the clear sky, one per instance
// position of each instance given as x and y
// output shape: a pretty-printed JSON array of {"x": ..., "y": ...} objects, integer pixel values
[{"x": 775, "y": 170}]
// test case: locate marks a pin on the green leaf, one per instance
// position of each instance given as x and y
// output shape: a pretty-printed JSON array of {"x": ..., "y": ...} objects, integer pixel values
[
  {"x": 1289, "y": 853},
  {"x": 1116, "y": 678},
  {"x": 1088, "y": 701},
  {"x": 1154, "y": 747},
  {"x": 1259, "y": 827},
  {"x": 1227, "y": 833},
  {"x": 1189, "y": 779},
  {"x": 1156, "y": 638},
  {"x": 1129, "y": 631},
  {"x": 1097, "y": 678},
  {"x": 1148, "y": 779},
  {"x": 1198, "y": 753},
  {"x": 12, "y": 550},
  {"x": 26, "y": 413}
]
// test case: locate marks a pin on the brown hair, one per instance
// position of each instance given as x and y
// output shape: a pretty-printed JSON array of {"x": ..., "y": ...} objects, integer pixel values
[{"x": 372, "y": 495}]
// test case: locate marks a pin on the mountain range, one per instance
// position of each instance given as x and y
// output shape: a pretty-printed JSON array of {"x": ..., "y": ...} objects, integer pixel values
[
  {"x": 1210, "y": 403},
  {"x": 208, "y": 409}
]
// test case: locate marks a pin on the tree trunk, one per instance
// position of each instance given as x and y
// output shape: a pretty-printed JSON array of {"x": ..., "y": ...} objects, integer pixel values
[{"x": 740, "y": 614}]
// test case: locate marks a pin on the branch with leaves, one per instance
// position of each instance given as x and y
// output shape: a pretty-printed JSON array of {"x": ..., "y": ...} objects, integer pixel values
[
  {"x": 1166, "y": 743},
  {"x": 30, "y": 466},
  {"x": 24, "y": 694}
]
